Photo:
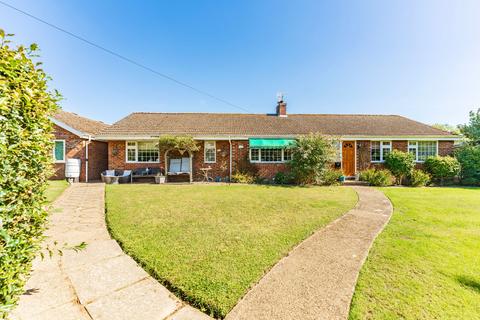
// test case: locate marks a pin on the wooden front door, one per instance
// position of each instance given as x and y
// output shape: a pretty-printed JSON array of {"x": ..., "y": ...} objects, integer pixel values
[{"x": 348, "y": 158}]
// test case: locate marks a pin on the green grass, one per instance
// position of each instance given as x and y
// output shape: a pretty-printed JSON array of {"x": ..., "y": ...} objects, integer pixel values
[
  {"x": 426, "y": 263},
  {"x": 209, "y": 244},
  {"x": 54, "y": 189}
]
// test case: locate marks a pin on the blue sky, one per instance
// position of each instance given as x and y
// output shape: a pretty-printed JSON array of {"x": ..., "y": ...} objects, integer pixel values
[{"x": 419, "y": 59}]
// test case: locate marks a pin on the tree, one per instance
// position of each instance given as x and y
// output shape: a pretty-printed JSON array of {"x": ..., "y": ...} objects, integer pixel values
[
  {"x": 25, "y": 164},
  {"x": 472, "y": 129},
  {"x": 400, "y": 164},
  {"x": 312, "y": 155},
  {"x": 469, "y": 158},
  {"x": 447, "y": 127},
  {"x": 181, "y": 143}
]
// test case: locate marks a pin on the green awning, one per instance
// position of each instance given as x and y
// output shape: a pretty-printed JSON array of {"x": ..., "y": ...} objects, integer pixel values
[{"x": 270, "y": 143}]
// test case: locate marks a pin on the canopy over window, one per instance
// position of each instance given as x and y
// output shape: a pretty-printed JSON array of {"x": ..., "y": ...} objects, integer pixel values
[{"x": 270, "y": 143}]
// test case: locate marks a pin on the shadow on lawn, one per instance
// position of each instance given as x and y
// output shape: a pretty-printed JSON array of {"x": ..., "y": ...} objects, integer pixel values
[{"x": 469, "y": 282}]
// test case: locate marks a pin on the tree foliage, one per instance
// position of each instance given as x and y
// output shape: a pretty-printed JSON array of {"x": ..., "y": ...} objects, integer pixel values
[
  {"x": 441, "y": 168},
  {"x": 400, "y": 164},
  {"x": 312, "y": 155},
  {"x": 472, "y": 129},
  {"x": 181, "y": 143},
  {"x": 25, "y": 164},
  {"x": 469, "y": 158},
  {"x": 447, "y": 127}
]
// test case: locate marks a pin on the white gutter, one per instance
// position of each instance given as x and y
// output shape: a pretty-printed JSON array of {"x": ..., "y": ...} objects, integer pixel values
[
  {"x": 344, "y": 137},
  {"x": 86, "y": 157},
  {"x": 230, "y": 166}
]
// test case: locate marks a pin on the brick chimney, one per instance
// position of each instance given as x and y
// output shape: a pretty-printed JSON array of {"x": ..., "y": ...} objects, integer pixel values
[{"x": 281, "y": 106}]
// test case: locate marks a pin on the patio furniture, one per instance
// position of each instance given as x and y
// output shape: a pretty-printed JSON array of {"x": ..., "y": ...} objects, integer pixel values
[
  {"x": 146, "y": 173},
  {"x": 116, "y": 176},
  {"x": 205, "y": 172}
]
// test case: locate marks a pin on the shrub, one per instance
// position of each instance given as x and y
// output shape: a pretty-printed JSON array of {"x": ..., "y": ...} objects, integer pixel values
[
  {"x": 376, "y": 177},
  {"x": 418, "y": 178},
  {"x": 312, "y": 155},
  {"x": 469, "y": 158},
  {"x": 441, "y": 168},
  {"x": 400, "y": 164},
  {"x": 283, "y": 178},
  {"x": 25, "y": 165},
  {"x": 242, "y": 177},
  {"x": 331, "y": 177}
]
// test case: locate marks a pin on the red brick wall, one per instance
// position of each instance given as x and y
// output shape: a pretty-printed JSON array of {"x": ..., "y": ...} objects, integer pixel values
[
  {"x": 74, "y": 148},
  {"x": 97, "y": 159},
  {"x": 445, "y": 148}
]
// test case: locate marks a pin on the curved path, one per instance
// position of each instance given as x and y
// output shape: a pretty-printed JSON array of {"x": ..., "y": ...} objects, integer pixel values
[
  {"x": 100, "y": 282},
  {"x": 317, "y": 279}
]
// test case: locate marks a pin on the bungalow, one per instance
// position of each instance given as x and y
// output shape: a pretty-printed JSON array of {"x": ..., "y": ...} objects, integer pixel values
[
  {"x": 75, "y": 139},
  {"x": 230, "y": 141}
]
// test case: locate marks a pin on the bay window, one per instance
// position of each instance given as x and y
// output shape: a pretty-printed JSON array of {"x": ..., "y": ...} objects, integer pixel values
[
  {"x": 421, "y": 150},
  {"x": 379, "y": 150},
  {"x": 142, "y": 151}
]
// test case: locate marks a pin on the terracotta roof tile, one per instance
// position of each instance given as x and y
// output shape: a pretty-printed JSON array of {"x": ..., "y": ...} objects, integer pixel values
[
  {"x": 80, "y": 123},
  {"x": 231, "y": 124}
]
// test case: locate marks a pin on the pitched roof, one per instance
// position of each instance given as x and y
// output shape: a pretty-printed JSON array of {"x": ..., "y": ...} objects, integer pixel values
[
  {"x": 80, "y": 123},
  {"x": 145, "y": 124}
]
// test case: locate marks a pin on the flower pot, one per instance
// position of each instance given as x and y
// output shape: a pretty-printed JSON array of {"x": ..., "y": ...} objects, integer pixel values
[{"x": 160, "y": 179}]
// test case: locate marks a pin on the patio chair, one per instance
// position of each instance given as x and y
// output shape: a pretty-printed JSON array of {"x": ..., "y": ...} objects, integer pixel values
[{"x": 126, "y": 176}]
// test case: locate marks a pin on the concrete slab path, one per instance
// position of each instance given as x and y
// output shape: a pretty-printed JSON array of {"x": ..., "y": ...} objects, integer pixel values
[
  {"x": 317, "y": 279},
  {"x": 100, "y": 282}
]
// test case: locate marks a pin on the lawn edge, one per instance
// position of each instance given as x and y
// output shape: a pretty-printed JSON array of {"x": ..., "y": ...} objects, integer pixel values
[{"x": 198, "y": 303}]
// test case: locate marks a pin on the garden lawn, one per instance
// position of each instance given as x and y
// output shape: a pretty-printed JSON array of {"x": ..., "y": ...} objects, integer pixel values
[
  {"x": 209, "y": 244},
  {"x": 426, "y": 263},
  {"x": 54, "y": 189}
]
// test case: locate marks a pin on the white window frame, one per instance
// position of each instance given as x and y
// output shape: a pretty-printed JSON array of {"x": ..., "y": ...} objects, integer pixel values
[
  {"x": 136, "y": 153},
  {"x": 382, "y": 147},
  {"x": 205, "y": 151},
  {"x": 414, "y": 144},
  {"x": 64, "y": 150},
  {"x": 260, "y": 156}
]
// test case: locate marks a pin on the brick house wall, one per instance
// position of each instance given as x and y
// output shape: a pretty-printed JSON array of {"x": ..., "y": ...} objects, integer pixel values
[
  {"x": 240, "y": 156},
  {"x": 363, "y": 152},
  {"x": 75, "y": 149}
]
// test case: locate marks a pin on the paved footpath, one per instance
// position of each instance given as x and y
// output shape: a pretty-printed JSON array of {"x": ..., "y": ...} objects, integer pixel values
[
  {"x": 100, "y": 282},
  {"x": 317, "y": 279}
]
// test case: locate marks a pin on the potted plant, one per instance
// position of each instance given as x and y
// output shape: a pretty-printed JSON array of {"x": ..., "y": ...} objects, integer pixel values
[{"x": 159, "y": 178}]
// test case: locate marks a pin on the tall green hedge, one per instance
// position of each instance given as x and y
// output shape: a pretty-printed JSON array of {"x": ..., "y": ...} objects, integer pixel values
[{"x": 25, "y": 164}]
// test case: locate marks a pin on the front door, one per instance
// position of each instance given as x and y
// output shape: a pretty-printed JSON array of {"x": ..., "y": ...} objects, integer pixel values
[{"x": 348, "y": 158}]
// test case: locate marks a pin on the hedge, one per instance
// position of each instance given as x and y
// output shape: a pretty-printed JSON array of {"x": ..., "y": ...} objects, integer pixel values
[{"x": 25, "y": 164}]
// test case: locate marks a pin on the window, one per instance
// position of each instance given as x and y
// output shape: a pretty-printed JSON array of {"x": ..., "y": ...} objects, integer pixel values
[
  {"x": 131, "y": 151},
  {"x": 142, "y": 151},
  {"x": 421, "y": 150},
  {"x": 59, "y": 151},
  {"x": 287, "y": 154},
  {"x": 210, "y": 155},
  {"x": 379, "y": 150},
  {"x": 270, "y": 155},
  {"x": 254, "y": 155}
]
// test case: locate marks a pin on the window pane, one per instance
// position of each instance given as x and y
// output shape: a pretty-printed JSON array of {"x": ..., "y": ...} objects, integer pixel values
[
  {"x": 210, "y": 151},
  {"x": 287, "y": 154},
  {"x": 147, "y": 152},
  {"x": 271, "y": 155},
  {"x": 386, "y": 151},
  {"x": 426, "y": 149},
  {"x": 59, "y": 150},
  {"x": 254, "y": 154},
  {"x": 131, "y": 154},
  {"x": 375, "y": 150}
]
